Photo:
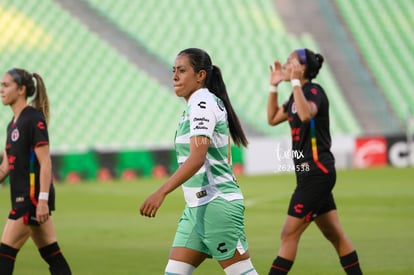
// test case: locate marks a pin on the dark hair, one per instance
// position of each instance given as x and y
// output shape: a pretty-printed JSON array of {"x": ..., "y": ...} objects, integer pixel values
[
  {"x": 200, "y": 60},
  {"x": 313, "y": 62},
  {"x": 40, "y": 100}
]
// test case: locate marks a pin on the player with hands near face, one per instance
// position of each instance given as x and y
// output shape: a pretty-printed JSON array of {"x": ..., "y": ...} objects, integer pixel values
[{"x": 307, "y": 112}]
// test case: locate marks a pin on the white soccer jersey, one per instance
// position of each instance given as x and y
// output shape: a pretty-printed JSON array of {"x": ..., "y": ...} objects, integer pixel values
[{"x": 205, "y": 115}]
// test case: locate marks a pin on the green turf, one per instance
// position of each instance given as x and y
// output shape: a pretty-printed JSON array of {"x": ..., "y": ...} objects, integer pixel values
[{"x": 101, "y": 232}]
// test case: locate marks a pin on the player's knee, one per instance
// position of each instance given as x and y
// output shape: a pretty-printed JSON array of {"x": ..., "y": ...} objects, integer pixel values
[
  {"x": 289, "y": 235},
  {"x": 178, "y": 268},
  {"x": 244, "y": 267},
  {"x": 333, "y": 236},
  {"x": 292, "y": 232},
  {"x": 330, "y": 236}
]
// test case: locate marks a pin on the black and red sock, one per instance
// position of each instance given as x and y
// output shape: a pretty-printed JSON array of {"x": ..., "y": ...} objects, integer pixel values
[
  {"x": 350, "y": 263},
  {"x": 7, "y": 259},
  {"x": 280, "y": 266},
  {"x": 54, "y": 257}
]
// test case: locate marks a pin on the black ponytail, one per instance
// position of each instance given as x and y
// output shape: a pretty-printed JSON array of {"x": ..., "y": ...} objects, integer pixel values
[
  {"x": 38, "y": 89},
  {"x": 313, "y": 64},
  {"x": 200, "y": 60},
  {"x": 216, "y": 85}
]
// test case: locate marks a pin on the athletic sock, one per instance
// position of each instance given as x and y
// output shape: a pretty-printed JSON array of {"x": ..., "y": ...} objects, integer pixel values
[
  {"x": 7, "y": 259},
  {"x": 350, "y": 263},
  {"x": 244, "y": 267},
  {"x": 280, "y": 266},
  {"x": 54, "y": 257}
]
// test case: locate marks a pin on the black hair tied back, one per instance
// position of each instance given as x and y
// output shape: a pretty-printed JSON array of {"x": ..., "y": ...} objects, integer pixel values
[
  {"x": 313, "y": 65},
  {"x": 24, "y": 78}
]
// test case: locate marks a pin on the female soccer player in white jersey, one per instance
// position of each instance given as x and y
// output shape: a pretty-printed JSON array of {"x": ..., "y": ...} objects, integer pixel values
[
  {"x": 212, "y": 224},
  {"x": 26, "y": 161}
]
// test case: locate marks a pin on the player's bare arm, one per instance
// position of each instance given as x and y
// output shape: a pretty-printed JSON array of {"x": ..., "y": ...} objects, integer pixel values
[
  {"x": 4, "y": 168},
  {"x": 198, "y": 151}
]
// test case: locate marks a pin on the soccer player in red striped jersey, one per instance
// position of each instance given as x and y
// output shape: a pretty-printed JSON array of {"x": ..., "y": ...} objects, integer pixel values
[
  {"x": 27, "y": 162},
  {"x": 307, "y": 111}
]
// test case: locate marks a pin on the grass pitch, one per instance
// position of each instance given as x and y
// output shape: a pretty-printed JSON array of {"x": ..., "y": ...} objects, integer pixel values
[{"x": 101, "y": 232}]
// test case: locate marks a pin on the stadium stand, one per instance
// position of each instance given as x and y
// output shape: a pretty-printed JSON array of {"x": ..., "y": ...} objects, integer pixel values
[
  {"x": 384, "y": 33},
  {"x": 102, "y": 102},
  {"x": 99, "y": 101},
  {"x": 97, "y": 98},
  {"x": 242, "y": 37}
]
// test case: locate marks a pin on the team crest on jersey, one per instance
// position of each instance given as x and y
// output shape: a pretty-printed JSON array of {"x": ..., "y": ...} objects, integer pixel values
[
  {"x": 15, "y": 135},
  {"x": 294, "y": 108}
]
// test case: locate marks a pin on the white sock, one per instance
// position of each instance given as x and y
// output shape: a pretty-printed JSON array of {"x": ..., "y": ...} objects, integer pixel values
[
  {"x": 178, "y": 268},
  {"x": 244, "y": 267}
]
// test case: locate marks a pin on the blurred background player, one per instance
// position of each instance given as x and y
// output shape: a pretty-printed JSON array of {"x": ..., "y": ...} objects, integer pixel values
[
  {"x": 307, "y": 111},
  {"x": 27, "y": 161},
  {"x": 212, "y": 224}
]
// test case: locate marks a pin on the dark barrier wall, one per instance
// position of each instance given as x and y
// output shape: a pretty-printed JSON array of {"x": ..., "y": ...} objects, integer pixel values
[{"x": 127, "y": 164}]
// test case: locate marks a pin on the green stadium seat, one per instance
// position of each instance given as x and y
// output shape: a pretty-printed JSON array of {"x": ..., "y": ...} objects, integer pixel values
[
  {"x": 98, "y": 98},
  {"x": 384, "y": 33},
  {"x": 241, "y": 36}
]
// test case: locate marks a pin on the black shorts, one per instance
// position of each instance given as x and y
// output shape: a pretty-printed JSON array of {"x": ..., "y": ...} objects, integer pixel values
[
  {"x": 28, "y": 211},
  {"x": 313, "y": 195}
]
